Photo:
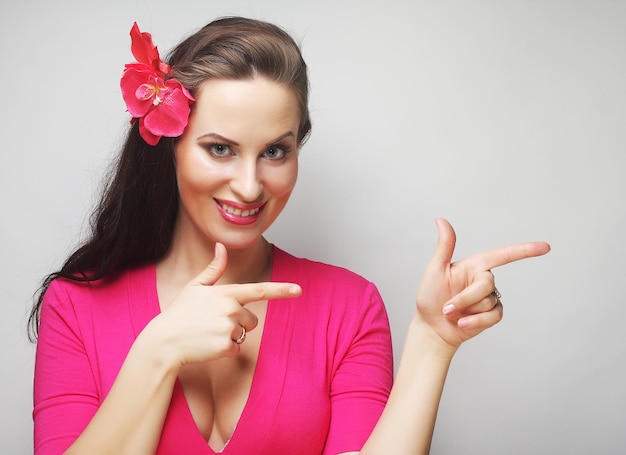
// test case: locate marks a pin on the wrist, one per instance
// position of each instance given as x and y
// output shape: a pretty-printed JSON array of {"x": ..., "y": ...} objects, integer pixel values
[
  {"x": 429, "y": 340},
  {"x": 153, "y": 346}
]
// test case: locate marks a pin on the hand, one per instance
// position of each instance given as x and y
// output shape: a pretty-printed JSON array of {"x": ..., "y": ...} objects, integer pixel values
[
  {"x": 456, "y": 298},
  {"x": 203, "y": 321}
]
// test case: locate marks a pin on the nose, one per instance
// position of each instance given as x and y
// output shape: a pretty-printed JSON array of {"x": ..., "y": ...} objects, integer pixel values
[{"x": 246, "y": 183}]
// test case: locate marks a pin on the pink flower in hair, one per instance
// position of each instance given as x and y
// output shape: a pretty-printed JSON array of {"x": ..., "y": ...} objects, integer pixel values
[{"x": 160, "y": 104}]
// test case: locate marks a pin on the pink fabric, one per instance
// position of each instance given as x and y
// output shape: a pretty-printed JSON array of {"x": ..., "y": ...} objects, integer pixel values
[{"x": 322, "y": 378}]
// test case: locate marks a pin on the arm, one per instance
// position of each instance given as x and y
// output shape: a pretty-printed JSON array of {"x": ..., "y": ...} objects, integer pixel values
[
  {"x": 408, "y": 421},
  {"x": 131, "y": 417},
  {"x": 68, "y": 395},
  {"x": 454, "y": 304}
]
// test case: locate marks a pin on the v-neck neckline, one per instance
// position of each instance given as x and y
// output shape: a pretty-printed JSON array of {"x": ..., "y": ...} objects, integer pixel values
[
  {"x": 179, "y": 405},
  {"x": 179, "y": 399}
]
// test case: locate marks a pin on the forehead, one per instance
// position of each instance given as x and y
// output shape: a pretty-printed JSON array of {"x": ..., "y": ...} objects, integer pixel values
[{"x": 246, "y": 107}]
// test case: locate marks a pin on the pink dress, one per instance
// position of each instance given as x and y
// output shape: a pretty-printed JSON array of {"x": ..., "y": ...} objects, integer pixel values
[{"x": 322, "y": 378}]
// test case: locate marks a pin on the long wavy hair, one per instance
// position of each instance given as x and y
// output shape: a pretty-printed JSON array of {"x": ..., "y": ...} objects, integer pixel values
[{"x": 134, "y": 220}]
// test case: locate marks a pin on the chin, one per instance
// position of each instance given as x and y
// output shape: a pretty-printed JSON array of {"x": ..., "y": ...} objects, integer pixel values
[{"x": 239, "y": 242}]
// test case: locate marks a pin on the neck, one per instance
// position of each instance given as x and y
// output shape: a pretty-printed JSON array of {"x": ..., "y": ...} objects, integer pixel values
[{"x": 185, "y": 260}]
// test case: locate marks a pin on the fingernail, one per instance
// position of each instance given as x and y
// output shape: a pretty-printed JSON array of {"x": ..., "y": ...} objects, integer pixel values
[
  {"x": 294, "y": 290},
  {"x": 448, "y": 309}
]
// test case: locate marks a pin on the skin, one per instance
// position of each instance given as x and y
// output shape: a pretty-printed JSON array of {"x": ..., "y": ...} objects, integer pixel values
[
  {"x": 454, "y": 303},
  {"x": 240, "y": 149},
  {"x": 205, "y": 307}
]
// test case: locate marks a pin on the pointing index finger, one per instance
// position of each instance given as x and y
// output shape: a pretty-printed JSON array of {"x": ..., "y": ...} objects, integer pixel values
[
  {"x": 253, "y": 292},
  {"x": 507, "y": 254}
]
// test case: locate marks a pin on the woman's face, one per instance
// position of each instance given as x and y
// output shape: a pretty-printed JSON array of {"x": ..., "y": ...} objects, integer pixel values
[{"x": 237, "y": 161}]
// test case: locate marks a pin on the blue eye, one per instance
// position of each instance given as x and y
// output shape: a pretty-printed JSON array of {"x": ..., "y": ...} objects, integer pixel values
[
  {"x": 275, "y": 152},
  {"x": 219, "y": 150}
]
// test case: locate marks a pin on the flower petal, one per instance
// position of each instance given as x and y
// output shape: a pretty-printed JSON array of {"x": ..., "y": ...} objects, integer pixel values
[
  {"x": 134, "y": 76},
  {"x": 161, "y": 105},
  {"x": 146, "y": 52},
  {"x": 175, "y": 84},
  {"x": 147, "y": 136},
  {"x": 170, "y": 117}
]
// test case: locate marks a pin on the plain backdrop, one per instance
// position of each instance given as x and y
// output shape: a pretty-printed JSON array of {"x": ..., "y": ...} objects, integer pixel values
[{"x": 507, "y": 117}]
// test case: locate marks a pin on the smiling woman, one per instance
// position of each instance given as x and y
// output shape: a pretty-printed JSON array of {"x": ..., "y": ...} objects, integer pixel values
[
  {"x": 240, "y": 151},
  {"x": 178, "y": 328}
]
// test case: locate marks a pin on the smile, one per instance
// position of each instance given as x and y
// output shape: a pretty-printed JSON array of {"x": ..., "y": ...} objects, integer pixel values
[{"x": 239, "y": 214}]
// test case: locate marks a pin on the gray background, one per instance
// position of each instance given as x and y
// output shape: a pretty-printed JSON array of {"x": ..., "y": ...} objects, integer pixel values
[{"x": 506, "y": 117}]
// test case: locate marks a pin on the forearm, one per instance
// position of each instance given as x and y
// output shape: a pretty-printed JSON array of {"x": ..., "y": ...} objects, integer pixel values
[
  {"x": 407, "y": 423},
  {"x": 130, "y": 419}
]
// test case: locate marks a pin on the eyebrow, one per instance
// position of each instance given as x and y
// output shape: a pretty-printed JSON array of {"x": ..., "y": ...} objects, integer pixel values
[{"x": 221, "y": 138}]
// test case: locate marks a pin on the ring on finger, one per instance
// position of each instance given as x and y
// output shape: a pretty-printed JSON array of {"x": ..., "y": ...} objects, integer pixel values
[
  {"x": 242, "y": 337},
  {"x": 497, "y": 296}
]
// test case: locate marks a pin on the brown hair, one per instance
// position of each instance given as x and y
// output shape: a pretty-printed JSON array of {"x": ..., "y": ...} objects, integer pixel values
[
  {"x": 239, "y": 48},
  {"x": 134, "y": 220}
]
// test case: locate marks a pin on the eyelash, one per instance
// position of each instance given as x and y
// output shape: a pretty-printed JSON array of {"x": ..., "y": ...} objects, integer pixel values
[
  {"x": 211, "y": 148},
  {"x": 284, "y": 151}
]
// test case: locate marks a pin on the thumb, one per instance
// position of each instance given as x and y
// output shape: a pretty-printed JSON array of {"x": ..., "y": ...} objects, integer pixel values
[
  {"x": 215, "y": 269},
  {"x": 445, "y": 243}
]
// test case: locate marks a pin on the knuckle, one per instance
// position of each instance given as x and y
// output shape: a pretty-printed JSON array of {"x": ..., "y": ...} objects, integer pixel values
[
  {"x": 260, "y": 293},
  {"x": 233, "y": 309},
  {"x": 223, "y": 327},
  {"x": 221, "y": 309},
  {"x": 461, "y": 301},
  {"x": 489, "y": 282}
]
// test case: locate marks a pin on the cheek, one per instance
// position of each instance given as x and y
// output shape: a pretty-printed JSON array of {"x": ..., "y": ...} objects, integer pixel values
[
  {"x": 281, "y": 183},
  {"x": 194, "y": 172},
  {"x": 187, "y": 178},
  {"x": 199, "y": 185}
]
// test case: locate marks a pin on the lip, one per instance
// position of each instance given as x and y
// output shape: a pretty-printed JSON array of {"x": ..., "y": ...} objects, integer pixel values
[{"x": 239, "y": 214}]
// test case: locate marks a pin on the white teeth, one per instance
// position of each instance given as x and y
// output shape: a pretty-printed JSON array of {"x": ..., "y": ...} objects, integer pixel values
[{"x": 239, "y": 212}]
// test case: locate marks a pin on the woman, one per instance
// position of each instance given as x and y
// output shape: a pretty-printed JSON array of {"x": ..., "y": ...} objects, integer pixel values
[{"x": 177, "y": 328}]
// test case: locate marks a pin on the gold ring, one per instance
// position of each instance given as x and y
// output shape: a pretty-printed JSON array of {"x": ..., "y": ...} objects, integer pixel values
[{"x": 242, "y": 338}]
